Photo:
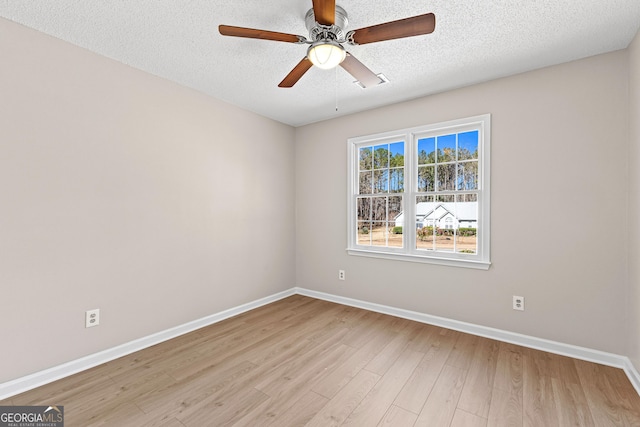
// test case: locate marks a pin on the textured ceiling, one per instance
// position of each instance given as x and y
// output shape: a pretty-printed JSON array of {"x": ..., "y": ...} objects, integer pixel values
[{"x": 474, "y": 41}]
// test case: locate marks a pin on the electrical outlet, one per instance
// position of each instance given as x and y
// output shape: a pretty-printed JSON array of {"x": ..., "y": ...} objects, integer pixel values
[
  {"x": 341, "y": 275},
  {"x": 518, "y": 303},
  {"x": 92, "y": 318}
]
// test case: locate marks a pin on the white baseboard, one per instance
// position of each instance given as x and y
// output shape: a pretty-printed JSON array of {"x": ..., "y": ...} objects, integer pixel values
[
  {"x": 574, "y": 351},
  {"x": 632, "y": 373},
  {"x": 20, "y": 385}
]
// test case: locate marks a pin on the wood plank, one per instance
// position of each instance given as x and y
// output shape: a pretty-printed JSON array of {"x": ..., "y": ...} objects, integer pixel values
[
  {"x": 539, "y": 405},
  {"x": 463, "y": 350},
  {"x": 302, "y": 411},
  {"x": 388, "y": 355},
  {"x": 398, "y": 417},
  {"x": 572, "y": 405},
  {"x": 224, "y": 410},
  {"x": 465, "y": 419},
  {"x": 374, "y": 406},
  {"x": 443, "y": 400},
  {"x": 334, "y": 380},
  {"x": 507, "y": 394},
  {"x": 509, "y": 369},
  {"x": 338, "y": 409},
  {"x": 416, "y": 391},
  {"x": 506, "y": 408},
  {"x": 425, "y": 338},
  {"x": 161, "y": 422},
  {"x": 371, "y": 324},
  {"x": 478, "y": 386}
]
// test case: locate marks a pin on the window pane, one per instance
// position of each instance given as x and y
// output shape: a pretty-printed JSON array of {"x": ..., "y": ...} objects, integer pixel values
[
  {"x": 395, "y": 208},
  {"x": 423, "y": 199},
  {"x": 378, "y": 208},
  {"x": 395, "y": 213},
  {"x": 467, "y": 213},
  {"x": 425, "y": 238},
  {"x": 468, "y": 175},
  {"x": 466, "y": 197},
  {"x": 468, "y": 145},
  {"x": 364, "y": 208},
  {"x": 446, "y": 177},
  {"x": 365, "y": 158},
  {"x": 381, "y": 157},
  {"x": 364, "y": 233},
  {"x": 446, "y": 222},
  {"x": 447, "y": 198},
  {"x": 446, "y": 148},
  {"x": 365, "y": 185},
  {"x": 466, "y": 241},
  {"x": 379, "y": 234},
  {"x": 426, "y": 178},
  {"x": 399, "y": 220},
  {"x": 395, "y": 237},
  {"x": 396, "y": 180},
  {"x": 424, "y": 222},
  {"x": 444, "y": 239},
  {"x": 426, "y": 151},
  {"x": 397, "y": 154},
  {"x": 381, "y": 181}
]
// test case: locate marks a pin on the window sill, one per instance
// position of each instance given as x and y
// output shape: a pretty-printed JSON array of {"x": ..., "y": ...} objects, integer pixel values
[{"x": 450, "y": 262}]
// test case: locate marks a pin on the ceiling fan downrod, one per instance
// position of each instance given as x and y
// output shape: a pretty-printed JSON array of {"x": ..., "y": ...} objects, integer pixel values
[{"x": 335, "y": 32}]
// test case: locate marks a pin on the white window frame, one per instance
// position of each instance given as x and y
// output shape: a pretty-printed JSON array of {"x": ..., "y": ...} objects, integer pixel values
[{"x": 481, "y": 259}]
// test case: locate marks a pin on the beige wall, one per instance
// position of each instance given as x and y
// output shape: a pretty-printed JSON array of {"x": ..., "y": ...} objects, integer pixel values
[
  {"x": 634, "y": 202},
  {"x": 128, "y": 193},
  {"x": 559, "y": 140}
]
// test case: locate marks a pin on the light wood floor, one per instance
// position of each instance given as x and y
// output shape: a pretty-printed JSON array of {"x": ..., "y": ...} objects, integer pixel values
[{"x": 302, "y": 361}]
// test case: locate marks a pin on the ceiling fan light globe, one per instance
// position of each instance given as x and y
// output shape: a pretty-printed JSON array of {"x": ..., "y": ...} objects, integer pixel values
[{"x": 326, "y": 55}]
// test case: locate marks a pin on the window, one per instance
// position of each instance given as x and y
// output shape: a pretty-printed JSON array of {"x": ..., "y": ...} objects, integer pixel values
[{"x": 422, "y": 194}]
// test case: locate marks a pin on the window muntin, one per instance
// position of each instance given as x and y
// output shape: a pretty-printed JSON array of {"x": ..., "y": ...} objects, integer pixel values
[{"x": 437, "y": 176}]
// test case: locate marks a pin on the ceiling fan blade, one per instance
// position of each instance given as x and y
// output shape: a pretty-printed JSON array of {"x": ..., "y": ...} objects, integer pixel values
[
  {"x": 408, "y": 27},
  {"x": 325, "y": 11},
  {"x": 252, "y": 33},
  {"x": 360, "y": 71},
  {"x": 297, "y": 72}
]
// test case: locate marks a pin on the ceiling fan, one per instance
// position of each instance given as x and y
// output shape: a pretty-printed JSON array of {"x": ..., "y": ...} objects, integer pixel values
[{"x": 326, "y": 23}]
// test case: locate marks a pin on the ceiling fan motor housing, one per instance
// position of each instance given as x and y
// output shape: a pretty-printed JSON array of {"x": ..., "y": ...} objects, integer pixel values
[{"x": 319, "y": 32}]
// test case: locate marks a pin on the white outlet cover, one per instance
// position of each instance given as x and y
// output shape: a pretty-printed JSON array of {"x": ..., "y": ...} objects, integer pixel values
[
  {"x": 518, "y": 303},
  {"x": 92, "y": 318}
]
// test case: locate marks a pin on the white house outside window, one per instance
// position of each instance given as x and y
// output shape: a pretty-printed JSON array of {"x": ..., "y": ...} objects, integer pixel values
[{"x": 422, "y": 194}]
